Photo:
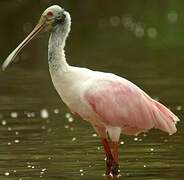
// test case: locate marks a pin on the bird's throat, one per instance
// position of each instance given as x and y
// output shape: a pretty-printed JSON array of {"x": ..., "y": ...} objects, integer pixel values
[{"x": 56, "y": 53}]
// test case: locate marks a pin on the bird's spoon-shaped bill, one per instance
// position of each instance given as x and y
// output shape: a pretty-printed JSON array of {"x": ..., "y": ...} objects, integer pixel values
[{"x": 38, "y": 28}]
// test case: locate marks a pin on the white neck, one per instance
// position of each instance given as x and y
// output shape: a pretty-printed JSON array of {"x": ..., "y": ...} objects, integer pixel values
[{"x": 56, "y": 52}]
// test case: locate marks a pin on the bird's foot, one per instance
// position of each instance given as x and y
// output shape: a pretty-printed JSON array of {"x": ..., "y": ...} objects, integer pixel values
[
  {"x": 109, "y": 162},
  {"x": 115, "y": 169},
  {"x": 112, "y": 167}
]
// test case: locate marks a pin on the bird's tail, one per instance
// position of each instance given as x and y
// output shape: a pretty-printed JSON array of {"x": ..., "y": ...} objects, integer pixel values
[{"x": 165, "y": 120}]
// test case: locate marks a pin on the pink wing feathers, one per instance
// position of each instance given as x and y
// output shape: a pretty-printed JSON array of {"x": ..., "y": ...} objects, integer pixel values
[{"x": 122, "y": 104}]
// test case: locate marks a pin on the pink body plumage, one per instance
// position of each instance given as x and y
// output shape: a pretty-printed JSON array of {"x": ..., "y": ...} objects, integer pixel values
[{"x": 122, "y": 104}]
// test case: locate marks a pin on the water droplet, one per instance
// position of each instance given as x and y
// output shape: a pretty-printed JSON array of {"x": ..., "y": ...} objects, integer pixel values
[
  {"x": 152, "y": 32},
  {"x": 44, "y": 113},
  {"x": 144, "y": 135},
  {"x": 139, "y": 30},
  {"x": 14, "y": 114},
  {"x": 94, "y": 135},
  {"x": 3, "y": 122},
  {"x": 128, "y": 22},
  {"x": 44, "y": 169},
  {"x": 81, "y": 170},
  {"x": 16, "y": 141},
  {"x": 67, "y": 115},
  {"x": 6, "y": 173},
  {"x": 43, "y": 127},
  {"x": 135, "y": 139},
  {"x": 9, "y": 143},
  {"x": 33, "y": 114},
  {"x": 30, "y": 114},
  {"x": 70, "y": 119},
  {"x": 56, "y": 111},
  {"x": 74, "y": 139},
  {"x": 16, "y": 133},
  {"x": 9, "y": 129},
  {"x": 151, "y": 149},
  {"x": 32, "y": 167},
  {"x": 122, "y": 142},
  {"x": 115, "y": 21},
  {"x": 172, "y": 17},
  {"x": 144, "y": 166},
  {"x": 66, "y": 126},
  {"x": 178, "y": 108}
]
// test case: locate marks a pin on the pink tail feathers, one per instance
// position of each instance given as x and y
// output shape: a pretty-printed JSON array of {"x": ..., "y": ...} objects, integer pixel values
[{"x": 165, "y": 120}]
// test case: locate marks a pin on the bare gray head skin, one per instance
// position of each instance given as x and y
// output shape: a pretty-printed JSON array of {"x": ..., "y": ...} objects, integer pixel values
[{"x": 53, "y": 18}]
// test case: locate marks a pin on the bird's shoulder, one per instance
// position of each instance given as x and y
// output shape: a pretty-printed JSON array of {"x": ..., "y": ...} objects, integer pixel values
[
  {"x": 97, "y": 81},
  {"x": 101, "y": 81}
]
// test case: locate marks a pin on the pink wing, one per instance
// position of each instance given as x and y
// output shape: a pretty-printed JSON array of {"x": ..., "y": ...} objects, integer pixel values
[{"x": 122, "y": 104}]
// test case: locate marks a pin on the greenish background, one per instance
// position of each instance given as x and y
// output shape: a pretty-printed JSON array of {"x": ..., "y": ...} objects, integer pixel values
[{"x": 139, "y": 40}]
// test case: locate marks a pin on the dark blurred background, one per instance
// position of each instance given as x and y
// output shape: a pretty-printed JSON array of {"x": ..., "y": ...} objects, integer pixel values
[{"x": 142, "y": 41}]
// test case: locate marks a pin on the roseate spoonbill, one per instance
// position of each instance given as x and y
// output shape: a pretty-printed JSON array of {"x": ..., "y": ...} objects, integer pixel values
[{"x": 113, "y": 105}]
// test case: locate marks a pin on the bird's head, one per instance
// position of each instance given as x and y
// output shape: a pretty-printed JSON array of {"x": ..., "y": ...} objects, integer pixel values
[
  {"x": 54, "y": 16},
  {"x": 51, "y": 18}
]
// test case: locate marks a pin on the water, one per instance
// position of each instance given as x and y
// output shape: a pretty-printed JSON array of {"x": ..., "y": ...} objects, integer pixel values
[{"x": 39, "y": 139}]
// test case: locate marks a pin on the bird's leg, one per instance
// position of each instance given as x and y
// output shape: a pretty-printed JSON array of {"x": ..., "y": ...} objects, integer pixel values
[
  {"x": 109, "y": 156},
  {"x": 115, "y": 165}
]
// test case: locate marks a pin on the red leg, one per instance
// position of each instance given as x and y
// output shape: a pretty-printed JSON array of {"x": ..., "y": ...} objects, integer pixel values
[
  {"x": 115, "y": 146},
  {"x": 109, "y": 160},
  {"x": 115, "y": 165}
]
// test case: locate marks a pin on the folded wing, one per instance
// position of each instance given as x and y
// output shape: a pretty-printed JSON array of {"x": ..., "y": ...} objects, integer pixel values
[{"x": 122, "y": 104}]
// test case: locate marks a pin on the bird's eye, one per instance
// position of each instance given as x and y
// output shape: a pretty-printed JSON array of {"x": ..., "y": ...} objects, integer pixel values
[{"x": 50, "y": 14}]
